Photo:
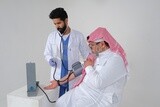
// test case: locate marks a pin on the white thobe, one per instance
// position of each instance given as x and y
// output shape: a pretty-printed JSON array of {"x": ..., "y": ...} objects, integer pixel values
[{"x": 102, "y": 86}]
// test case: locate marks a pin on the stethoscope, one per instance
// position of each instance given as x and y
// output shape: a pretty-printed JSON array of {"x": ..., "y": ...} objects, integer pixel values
[
  {"x": 61, "y": 54},
  {"x": 70, "y": 71}
]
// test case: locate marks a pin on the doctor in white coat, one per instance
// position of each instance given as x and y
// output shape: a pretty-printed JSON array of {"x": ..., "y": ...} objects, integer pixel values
[
  {"x": 63, "y": 48},
  {"x": 104, "y": 78}
]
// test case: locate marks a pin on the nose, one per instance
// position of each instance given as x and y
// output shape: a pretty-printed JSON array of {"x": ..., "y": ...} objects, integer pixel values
[
  {"x": 57, "y": 26},
  {"x": 91, "y": 47}
]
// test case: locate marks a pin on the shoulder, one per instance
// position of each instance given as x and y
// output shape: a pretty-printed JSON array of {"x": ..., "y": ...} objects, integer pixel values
[
  {"x": 52, "y": 34},
  {"x": 116, "y": 57},
  {"x": 76, "y": 32}
]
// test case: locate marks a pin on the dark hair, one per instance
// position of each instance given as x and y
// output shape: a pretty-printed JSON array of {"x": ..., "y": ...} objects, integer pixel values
[
  {"x": 106, "y": 44},
  {"x": 58, "y": 13},
  {"x": 87, "y": 37}
]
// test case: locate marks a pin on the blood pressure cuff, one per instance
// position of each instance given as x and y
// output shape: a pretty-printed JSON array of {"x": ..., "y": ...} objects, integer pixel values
[{"x": 77, "y": 68}]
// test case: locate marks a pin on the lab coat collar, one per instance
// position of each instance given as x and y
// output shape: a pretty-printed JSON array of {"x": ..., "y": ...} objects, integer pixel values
[{"x": 71, "y": 38}]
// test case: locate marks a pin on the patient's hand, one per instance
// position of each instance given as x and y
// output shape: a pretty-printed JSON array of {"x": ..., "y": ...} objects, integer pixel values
[
  {"x": 53, "y": 85},
  {"x": 88, "y": 62}
]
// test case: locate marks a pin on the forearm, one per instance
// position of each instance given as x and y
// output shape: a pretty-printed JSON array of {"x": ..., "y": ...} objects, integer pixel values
[
  {"x": 62, "y": 81},
  {"x": 66, "y": 78}
]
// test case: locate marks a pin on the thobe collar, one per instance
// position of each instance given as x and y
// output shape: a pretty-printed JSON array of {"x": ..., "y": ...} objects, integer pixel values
[
  {"x": 104, "y": 53},
  {"x": 103, "y": 56}
]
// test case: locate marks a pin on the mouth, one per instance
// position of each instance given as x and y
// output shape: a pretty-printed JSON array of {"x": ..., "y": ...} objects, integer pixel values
[{"x": 59, "y": 29}]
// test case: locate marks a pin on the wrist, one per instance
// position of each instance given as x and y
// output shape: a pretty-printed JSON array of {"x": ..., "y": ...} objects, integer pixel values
[{"x": 58, "y": 83}]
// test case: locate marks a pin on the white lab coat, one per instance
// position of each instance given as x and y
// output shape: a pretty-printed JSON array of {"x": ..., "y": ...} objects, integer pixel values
[
  {"x": 102, "y": 86},
  {"x": 76, "y": 46}
]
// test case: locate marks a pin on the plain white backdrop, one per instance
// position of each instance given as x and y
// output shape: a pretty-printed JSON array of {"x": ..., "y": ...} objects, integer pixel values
[{"x": 24, "y": 28}]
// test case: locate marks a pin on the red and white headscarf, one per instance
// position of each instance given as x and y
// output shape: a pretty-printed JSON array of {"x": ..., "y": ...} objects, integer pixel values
[{"x": 102, "y": 34}]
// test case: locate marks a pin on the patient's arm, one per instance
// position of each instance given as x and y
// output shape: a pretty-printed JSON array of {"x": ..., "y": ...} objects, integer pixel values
[{"x": 63, "y": 80}]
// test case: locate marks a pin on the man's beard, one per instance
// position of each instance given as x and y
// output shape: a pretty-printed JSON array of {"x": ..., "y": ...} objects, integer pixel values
[{"x": 61, "y": 30}]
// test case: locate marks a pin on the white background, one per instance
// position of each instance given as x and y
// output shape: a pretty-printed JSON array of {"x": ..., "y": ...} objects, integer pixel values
[{"x": 135, "y": 24}]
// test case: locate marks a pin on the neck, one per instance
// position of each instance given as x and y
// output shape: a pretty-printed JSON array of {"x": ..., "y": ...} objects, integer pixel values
[{"x": 67, "y": 31}]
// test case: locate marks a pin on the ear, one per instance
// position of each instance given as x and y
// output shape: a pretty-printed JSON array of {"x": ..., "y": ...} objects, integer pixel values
[
  {"x": 103, "y": 44},
  {"x": 66, "y": 21}
]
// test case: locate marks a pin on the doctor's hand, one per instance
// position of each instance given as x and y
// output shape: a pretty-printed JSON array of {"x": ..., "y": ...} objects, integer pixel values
[
  {"x": 53, "y": 85},
  {"x": 52, "y": 62}
]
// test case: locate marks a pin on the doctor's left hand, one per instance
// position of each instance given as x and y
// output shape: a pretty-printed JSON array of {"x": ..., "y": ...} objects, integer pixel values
[{"x": 53, "y": 85}]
